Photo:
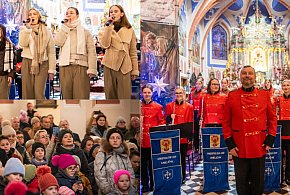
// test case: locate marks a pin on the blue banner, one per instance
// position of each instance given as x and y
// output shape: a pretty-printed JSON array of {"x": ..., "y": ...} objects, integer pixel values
[
  {"x": 166, "y": 162},
  {"x": 273, "y": 165},
  {"x": 215, "y": 160}
]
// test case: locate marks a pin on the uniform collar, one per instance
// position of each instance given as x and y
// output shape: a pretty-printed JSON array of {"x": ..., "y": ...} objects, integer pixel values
[
  {"x": 178, "y": 102},
  {"x": 147, "y": 103},
  {"x": 250, "y": 89},
  {"x": 286, "y": 96}
]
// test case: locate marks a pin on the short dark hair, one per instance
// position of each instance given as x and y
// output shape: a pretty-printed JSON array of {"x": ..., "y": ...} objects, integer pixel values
[{"x": 134, "y": 152}]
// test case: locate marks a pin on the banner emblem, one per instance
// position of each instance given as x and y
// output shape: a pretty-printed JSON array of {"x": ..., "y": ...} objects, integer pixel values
[
  {"x": 269, "y": 171},
  {"x": 215, "y": 170},
  {"x": 215, "y": 141},
  {"x": 167, "y": 174},
  {"x": 166, "y": 145}
]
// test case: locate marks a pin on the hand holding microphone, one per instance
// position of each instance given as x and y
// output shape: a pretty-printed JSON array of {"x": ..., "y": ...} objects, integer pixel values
[
  {"x": 110, "y": 20},
  {"x": 28, "y": 21}
]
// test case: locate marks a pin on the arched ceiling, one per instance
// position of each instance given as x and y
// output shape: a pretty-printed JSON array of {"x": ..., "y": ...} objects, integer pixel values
[{"x": 228, "y": 12}]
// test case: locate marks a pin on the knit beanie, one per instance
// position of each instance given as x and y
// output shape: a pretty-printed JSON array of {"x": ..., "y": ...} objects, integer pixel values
[
  {"x": 45, "y": 178},
  {"x": 34, "y": 120},
  {"x": 16, "y": 188},
  {"x": 78, "y": 160},
  {"x": 29, "y": 143},
  {"x": 63, "y": 161},
  {"x": 114, "y": 130},
  {"x": 93, "y": 148},
  {"x": 36, "y": 145},
  {"x": 63, "y": 190},
  {"x": 8, "y": 130},
  {"x": 30, "y": 171},
  {"x": 118, "y": 173},
  {"x": 120, "y": 119},
  {"x": 62, "y": 133},
  {"x": 14, "y": 165},
  {"x": 5, "y": 122}
]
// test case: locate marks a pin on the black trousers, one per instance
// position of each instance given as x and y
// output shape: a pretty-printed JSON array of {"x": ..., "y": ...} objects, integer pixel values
[
  {"x": 183, "y": 151},
  {"x": 196, "y": 130},
  {"x": 249, "y": 175},
  {"x": 146, "y": 169},
  {"x": 286, "y": 147}
]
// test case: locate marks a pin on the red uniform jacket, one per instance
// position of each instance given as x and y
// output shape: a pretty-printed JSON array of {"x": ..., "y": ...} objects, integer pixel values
[
  {"x": 184, "y": 113},
  {"x": 213, "y": 108},
  {"x": 152, "y": 116},
  {"x": 284, "y": 110},
  {"x": 246, "y": 118},
  {"x": 195, "y": 97}
]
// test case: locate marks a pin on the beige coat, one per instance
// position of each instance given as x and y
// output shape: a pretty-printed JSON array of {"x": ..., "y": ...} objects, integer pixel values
[
  {"x": 88, "y": 60},
  {"x": 121, "y": 51},
  {"x": 26, "y": 41}
]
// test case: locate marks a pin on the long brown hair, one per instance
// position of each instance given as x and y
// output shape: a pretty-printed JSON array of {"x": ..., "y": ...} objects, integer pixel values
[
  {"x": 40, "y": 21},
  {"x": 124, "y": 21}
]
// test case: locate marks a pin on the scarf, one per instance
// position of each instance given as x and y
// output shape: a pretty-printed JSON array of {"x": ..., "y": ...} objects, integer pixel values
[
  {"x": 9, "y": 55},
  {"x": 39, "y": 35},
  {"x": 81, "y": 43},
  {"x": 37, "y": 163},
  {"x": 119, "y": 150}
]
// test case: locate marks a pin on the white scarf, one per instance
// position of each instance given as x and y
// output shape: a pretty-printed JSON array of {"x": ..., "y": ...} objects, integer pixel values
[{"x": 81, "y": 41}]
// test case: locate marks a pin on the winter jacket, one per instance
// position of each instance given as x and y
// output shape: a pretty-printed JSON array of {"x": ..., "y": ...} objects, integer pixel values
[
  {"x": 74, "y": 151},
  {"x": 107, "y": 162},
  {"x": 132, "y": 191}
]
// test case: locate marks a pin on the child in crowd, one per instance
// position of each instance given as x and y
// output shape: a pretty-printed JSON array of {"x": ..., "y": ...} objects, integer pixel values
[
  {"x": 48, "y": 184},
  {"x": 66, "y": 175},
  {"x": 31, "y": 179},
  {"x": 86, "y": 182},
  {"x": 9, "y": 152},
  {"x": 123, "y": 185},
  {"x": 13, "y": 171},
  {"x": 38, "y": 153}
]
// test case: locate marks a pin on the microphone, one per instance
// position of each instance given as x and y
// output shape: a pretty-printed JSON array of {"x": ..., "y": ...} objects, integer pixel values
[
  {"x": 27, "y": 21},
  {"x": 64, "y": 21},
  {"x": 110, "y": 21}
]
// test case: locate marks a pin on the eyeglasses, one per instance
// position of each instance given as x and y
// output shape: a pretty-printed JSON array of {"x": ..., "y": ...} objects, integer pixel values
[
  {"x": 20, "y": 137},
  {"x": 73, "y": 168},
  {"x": 122, "y": 122},
  {"x": 215, "y": 84}
]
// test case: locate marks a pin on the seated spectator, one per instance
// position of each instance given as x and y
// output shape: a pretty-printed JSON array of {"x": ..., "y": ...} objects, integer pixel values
[
  {"x": 86, "y": 182},
  {"x": 20, "y": 138},
  {"x": 11, "y": 134},
  {"x": 28, "y": 147},
  {"x": 31, "y": 179},
  {"x": 121, "y": 124},
  {"x": 30, "y": 111},
  {"x": 66, "y": 175},
  {"x": 13, "y": 171},
  {"x": 9, "y": 152},
  {"x": 51, "y": 118},
  {"x": 135, "y": 162},
  {"x": 134, "y": 127},
  {"x": 63, "y": 124},
  {"x": 15, "y": 123},
  {"x": 38, "y": 154},
  {"x": 35, "y": 126},
  {"x": 86, "y": 146},
  {"x": 93, "y": 152},
  {"x": 66, "y": 146},
  {"x": 100, "y": 128},
  {"x": 45, "y": 124},
  {"x": 113, "y": 155},
  {"x": 48, "y": 184},
  {"x": 123, "y": 185},
  {"x": 24, "y": 119}
]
